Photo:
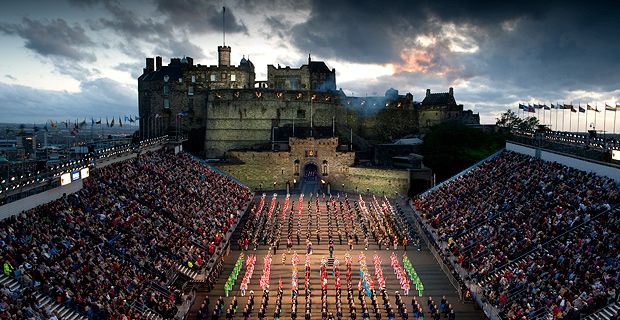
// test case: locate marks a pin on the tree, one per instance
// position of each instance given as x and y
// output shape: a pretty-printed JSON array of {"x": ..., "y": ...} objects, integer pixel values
[
  {"x": 452, "y": 147},
  {"x": 511, "y": 120},
  {"x": 529, "y": 124}
]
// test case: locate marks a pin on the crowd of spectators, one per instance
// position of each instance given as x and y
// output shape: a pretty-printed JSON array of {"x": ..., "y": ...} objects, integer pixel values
[
  {"x": 514, "y": 204},
  {"x": 106, "y": 250}
]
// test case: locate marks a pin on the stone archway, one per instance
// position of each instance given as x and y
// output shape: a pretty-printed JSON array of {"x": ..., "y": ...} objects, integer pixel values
[{"x": 311, "y": 171}]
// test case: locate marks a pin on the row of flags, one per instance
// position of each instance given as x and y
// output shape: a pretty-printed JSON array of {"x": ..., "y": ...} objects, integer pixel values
[
  {"x": 77, "y": 125},
  {"x": 534, "y": 107}
]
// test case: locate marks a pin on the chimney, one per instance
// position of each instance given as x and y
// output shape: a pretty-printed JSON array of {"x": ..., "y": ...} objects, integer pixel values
[
  {"x": 223, "y": 54},
  {"x": 451, "y": 91},
  {"x": 149, "y": 65},
  {"x": 428, "y": 92},
  {"x": 157, "y": 63}
]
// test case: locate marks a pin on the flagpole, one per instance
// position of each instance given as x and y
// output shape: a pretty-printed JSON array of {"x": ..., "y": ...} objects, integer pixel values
[
  {"x": 615, "y": 111},
  {"x": 563, "y": 129},
  {"x": 586, "y": 118},
  {"x": 605, "y": 119},
  {"x": 595, "y": 116},
  {"x": 556, "y": 118},
  {"x": 570, "y": 120},
  {"x": 578, "y": 112}
]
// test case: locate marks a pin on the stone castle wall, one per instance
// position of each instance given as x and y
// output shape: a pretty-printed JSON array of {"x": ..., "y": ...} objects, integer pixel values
[
  {"x": 260, "y": 170},
  {"x": 246, "y": 121}
]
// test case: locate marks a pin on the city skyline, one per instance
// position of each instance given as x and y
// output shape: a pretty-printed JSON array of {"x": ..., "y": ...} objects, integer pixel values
[{"x": 82, "y": 58}]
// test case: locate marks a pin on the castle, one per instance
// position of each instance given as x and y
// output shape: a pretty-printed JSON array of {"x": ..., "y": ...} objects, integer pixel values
[{"x": 223, "y": 107}]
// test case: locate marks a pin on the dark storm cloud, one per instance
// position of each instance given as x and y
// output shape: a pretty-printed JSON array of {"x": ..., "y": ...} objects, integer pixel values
[
  {"x": 277, "y": 26},
  {"x": 200, "y": 16},
  {"x": 134, "y": 31},
  {"x": 528, "y": 48},
  {"x": 98, "y": 98},
  {"x": 53, "y": 38}
]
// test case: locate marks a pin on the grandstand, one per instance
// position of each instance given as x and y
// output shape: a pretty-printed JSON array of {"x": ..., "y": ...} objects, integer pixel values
[
  {"x": 107, "y": 250},
  {"x": 529, "y": 238}
]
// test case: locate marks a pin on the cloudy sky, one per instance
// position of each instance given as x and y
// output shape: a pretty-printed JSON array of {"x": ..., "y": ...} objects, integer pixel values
[{"x": 81, "y": 58}]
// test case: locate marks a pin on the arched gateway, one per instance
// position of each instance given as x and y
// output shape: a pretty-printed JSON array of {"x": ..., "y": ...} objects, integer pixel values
[{"x": 311, "y": 171}]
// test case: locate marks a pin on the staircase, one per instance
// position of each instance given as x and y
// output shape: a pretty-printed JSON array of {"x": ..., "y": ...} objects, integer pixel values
[
  {"x": 610, "y": 312},
  {"x": 44, "y": 302}
]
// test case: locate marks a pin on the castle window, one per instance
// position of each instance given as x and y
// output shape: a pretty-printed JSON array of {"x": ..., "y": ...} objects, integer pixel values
[
  {"x": 166, "y": 78},
  {"x": 193, "y": 79},
  {"x": 213, "y": 77},
  {"x": 223, "y": 76},
  {"x": 190, "y": 90},
  {"x": 233, "y": 77},
  {"x": 166, "y": 90},
  {"x": 167, "y": 103},
  {"x": 301, "y": 114}
]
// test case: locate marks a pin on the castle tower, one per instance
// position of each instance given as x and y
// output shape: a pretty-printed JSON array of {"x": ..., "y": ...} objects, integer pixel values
[{"x": 223, "y": 56}]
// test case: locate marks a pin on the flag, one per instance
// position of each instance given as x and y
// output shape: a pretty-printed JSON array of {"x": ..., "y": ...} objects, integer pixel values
[
  {"x": 126, "y": 118},
  {"x": 53, "y": 124},
  {"x": 35, "y": 128},
  {"x": 582, "y": 109},
  {"x": 98, "y": 122},
  {"x": 107, "y": 123},
  {"x": 546, "y": 107},
  {"x": 82, "y": 124},
  {"x": 131, "y": 120},
  {"x": 137, "y": 118},
  {"x": 45, "y": 127},
  {"x": 609, "y": 108},
  {"x": 76, "y": 129},
  {"x": 572, "y": 109},
  {"x": 593, "y": 108},
  {"x": 112, "y": 123},
  {"x": 552, "y": 106},
  {"x": 530, "y": 109},
  {"x": 617, "y": 106},
  {"x": 120, "y": 123},
  {"x": 92, "y": 122}
]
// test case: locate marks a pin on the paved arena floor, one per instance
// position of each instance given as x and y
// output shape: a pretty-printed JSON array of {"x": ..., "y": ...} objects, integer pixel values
[{"x": 435, "y": 282}]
